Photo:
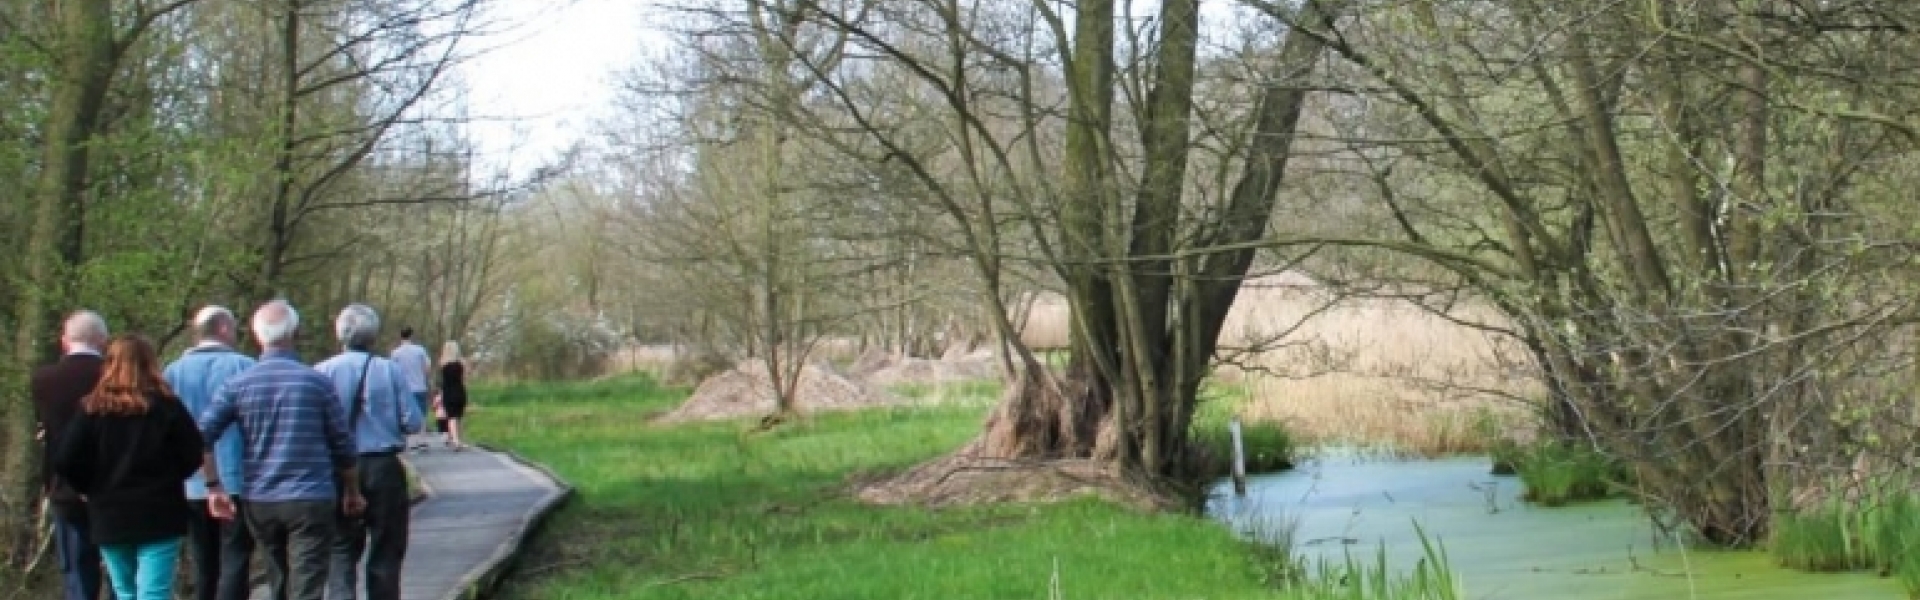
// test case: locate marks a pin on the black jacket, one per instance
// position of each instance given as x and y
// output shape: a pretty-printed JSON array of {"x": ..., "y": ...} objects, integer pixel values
[
  {"x": 57, "y": 390},
  {"x": 132, "y": 470}
]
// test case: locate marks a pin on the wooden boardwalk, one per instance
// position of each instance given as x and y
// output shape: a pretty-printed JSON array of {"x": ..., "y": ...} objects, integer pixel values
[{"x": 480, "y": 507}]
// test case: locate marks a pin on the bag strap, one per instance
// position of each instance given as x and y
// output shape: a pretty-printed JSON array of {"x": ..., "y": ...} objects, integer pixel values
[{"x": 359, "y": 397}]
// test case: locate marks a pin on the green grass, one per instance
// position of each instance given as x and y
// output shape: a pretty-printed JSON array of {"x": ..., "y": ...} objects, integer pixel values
[
  {"x": 1432, "y": 578},
  {"x": 1879, "y": 530},
  {"x": 1269, "y": 446},
  {"x": 707, "y": 511},
  {"x": 1561, "y": 473}
]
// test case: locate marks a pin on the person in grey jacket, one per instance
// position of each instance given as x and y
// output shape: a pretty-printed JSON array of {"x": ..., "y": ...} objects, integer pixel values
[{"x": 381, "y": 412}]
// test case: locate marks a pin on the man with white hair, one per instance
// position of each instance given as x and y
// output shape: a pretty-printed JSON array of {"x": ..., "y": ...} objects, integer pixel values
[
  {"x": 221, "y": 548},
  {"x": 377, "y": 398},
  {"x": 57, "y": 390},
  {"x": 296, "y": 454}
]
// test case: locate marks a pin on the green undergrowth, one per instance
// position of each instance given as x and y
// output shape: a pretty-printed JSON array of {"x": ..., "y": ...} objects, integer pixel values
[
  {"x": 1269, "y": 446},
  {"x": 712, "y": 511},
  {"x": 1557, "y": 473},
  {"x": 1353, "y": 578},
  {"x": 1874, "y": 526}
]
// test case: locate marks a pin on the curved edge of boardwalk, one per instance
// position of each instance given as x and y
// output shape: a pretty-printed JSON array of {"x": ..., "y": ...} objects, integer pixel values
[{"x": 485, "y": 505}]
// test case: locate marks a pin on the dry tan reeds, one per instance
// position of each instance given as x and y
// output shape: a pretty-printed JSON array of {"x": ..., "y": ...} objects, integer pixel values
[{"x": 1374, "y": 372}]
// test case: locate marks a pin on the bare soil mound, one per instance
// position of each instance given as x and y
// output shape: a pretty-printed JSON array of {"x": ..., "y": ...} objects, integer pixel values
[
  {"x": 963, "y": 479},
  {"x": 896, "y": 370},
  {"x": 747, "y": 391}
]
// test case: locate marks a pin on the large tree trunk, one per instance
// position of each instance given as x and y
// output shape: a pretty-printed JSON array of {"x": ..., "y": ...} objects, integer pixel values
[
  {"x": 87, "y": 51},
  {"x": 1145, "y": 320}
]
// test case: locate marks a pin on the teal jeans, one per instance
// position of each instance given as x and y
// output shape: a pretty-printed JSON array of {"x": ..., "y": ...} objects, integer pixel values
[{"x": 142, "y": 571}]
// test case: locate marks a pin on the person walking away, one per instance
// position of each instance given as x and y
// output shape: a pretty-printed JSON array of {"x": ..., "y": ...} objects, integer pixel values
[
  {"x": 57, "y": 391},
  {"x": 296, "y": 453},
  {"x": 417, "y": 367},
  {"x": 126, "y": 452},
  {"x": 381, "y": 410},
  {"x": 221, "y": 549},
  {"x": 453, "y": 392}
]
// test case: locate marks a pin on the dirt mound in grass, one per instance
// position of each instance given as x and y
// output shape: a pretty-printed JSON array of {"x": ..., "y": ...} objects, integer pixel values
[
  {"x": 963, "y": 479},
  {"x": 747, "y": 391},
  {"x": 886, "y": 370}
]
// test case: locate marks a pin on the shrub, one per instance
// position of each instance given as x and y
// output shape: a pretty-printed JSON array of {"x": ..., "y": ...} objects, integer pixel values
[{"x": 1558, "y": 473}]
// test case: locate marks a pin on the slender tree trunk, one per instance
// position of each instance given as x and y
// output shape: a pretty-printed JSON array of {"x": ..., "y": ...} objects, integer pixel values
[{"x": 54, "y": 250}]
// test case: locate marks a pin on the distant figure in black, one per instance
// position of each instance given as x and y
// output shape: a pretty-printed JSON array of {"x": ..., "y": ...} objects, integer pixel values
[{"x": 453, "y": 393}]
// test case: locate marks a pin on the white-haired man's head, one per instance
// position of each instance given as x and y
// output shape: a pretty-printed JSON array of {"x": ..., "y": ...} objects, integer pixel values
[
  {"x": 84, "y": 330},
  {"x": 274, "y": 324},
  {"x": 215, "y": 323},
  {"x": 357, "y": 326}
]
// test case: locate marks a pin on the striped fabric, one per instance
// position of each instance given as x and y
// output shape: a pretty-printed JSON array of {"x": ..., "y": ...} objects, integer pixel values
[{"x": 291, "y": 424}]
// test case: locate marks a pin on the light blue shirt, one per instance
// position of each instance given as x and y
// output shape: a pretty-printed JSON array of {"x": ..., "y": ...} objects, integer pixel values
[
  {"x": 412, "y": 361},
  {"x": 388, "y": 414},
  {"x": 195, "y": 377}
]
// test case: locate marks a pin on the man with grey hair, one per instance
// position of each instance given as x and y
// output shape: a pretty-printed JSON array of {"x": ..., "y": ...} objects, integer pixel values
[
  {"x": 57, "y": 390},
  {"x": 377, "y": 398},
  {"x": 221, "y": 548},
  {"x": 297, "y": 456}
]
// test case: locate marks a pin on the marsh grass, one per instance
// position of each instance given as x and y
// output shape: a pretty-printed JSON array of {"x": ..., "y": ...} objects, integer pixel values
[
  {"x": 1876, "y": 526},
  {"x": 1269, "y": 446},
  {"x": 707, "y": 510},
  {"x": 1559, "y": 473},
  {"x": 1431, "y": 578}
]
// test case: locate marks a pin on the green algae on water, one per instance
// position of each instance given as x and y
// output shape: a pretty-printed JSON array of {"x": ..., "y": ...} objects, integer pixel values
[{"x": 1502, "y": 548}]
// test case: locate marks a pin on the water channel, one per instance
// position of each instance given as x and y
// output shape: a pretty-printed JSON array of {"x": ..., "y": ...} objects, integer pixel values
[{"x": 1506, "y": 549}]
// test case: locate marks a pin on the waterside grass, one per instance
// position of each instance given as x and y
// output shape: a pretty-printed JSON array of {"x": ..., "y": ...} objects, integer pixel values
[
  {"x": 1269, "y": 446},
  {"x": 710, "y": 511},
  {"x": 1557, "y": 473},
  {"x": 1870, "y": 526},
  {"x": 1431, "y": 578}
]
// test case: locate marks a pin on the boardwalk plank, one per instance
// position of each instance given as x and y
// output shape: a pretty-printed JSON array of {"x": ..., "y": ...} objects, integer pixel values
[{"x": 480, "y": 504}]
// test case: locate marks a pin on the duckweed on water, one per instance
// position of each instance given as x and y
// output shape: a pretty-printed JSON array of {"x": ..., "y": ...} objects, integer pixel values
[{"x": 1875, "y": 529}]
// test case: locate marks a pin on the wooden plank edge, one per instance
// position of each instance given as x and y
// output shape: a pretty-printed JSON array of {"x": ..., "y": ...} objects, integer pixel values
[{"x": 488, "y": 577}]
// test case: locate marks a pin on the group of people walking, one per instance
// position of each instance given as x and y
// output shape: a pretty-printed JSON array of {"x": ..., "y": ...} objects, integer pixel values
[{"x": 230, "y": 454}]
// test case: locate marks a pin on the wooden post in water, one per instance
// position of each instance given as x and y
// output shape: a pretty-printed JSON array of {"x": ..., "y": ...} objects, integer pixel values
[{"x": 1239, "y": 459}]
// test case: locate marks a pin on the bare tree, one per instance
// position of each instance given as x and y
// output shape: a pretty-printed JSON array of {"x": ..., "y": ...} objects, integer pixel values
[{"x": 1665, "y": 206}]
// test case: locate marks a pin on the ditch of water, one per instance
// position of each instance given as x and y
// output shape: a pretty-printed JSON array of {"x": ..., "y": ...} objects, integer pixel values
[{"x": 1503, "y": 548}]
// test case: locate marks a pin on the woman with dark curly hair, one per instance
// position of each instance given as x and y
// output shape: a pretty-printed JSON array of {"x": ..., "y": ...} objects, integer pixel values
[{"x": 128, "y": 453}]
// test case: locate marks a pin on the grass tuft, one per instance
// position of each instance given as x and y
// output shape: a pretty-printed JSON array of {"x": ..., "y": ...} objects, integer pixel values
[
  {"x": 1270, "y": 447},
  {"x": 1875, "y": 527},
  {"x": 1561, "y": 473},
  {"x": 1432, "y": 578}
]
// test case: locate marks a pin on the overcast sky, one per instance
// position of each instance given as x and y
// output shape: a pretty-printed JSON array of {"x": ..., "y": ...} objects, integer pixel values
[{"x": 540, "y": 83}]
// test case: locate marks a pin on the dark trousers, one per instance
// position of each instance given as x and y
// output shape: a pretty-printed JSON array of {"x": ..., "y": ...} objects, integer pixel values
[
  {"x": 79, "y": 558},
  {"x": 222, "y": 554},
  {"x": 294, "y": 538},
  {"x": 377, "y": 539}
]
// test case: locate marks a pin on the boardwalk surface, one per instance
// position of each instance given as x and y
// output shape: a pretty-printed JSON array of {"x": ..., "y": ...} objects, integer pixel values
[{"x": 480, "y": 505}]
